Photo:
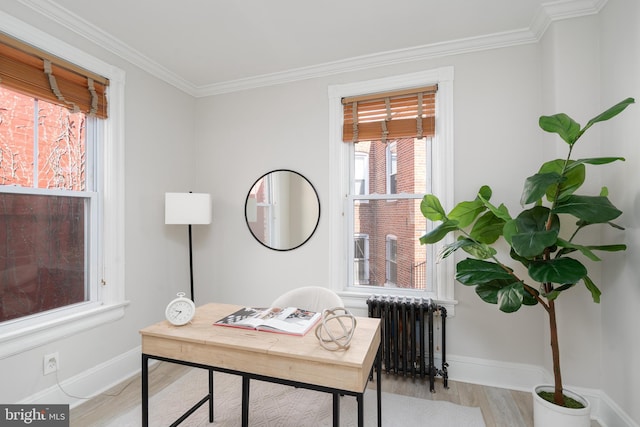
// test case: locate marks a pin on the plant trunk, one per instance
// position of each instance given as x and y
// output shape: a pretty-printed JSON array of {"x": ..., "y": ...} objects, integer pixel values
[{"x": 558, "y": 397}]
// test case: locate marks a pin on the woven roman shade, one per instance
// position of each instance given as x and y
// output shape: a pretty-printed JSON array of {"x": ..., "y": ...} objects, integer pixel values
[
  {"x": 391, "y": 115},
  {"x": 32, "y": 72}
]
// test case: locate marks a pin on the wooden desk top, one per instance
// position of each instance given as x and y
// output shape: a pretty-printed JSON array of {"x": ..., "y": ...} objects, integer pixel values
[{"x": 276, "y": 355}]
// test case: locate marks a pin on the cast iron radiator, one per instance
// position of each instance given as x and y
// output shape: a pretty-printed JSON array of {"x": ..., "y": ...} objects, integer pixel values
[{"x": 406, "y": 324}]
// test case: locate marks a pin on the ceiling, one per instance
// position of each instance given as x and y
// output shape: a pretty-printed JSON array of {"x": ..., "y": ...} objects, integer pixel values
[{"x": 209, "y": 45}]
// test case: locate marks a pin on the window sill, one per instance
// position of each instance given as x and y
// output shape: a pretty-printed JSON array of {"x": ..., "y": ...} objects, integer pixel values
[{"x": 18, "y": 337}]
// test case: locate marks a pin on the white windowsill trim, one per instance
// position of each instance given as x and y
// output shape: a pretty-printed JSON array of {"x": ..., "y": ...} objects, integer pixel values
[
  {"x": 22, "y": 339},
  {"x": 358, "y": 300}
]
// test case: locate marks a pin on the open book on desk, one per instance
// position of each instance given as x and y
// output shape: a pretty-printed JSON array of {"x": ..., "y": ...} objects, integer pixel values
[{"x": 289, "y": 320}]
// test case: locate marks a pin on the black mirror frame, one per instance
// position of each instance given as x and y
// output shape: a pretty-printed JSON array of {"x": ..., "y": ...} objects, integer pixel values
[{"x": 246, "y": 218}]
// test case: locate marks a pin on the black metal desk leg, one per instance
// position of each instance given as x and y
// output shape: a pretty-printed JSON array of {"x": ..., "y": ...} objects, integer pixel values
[
  {"x": 210, "y": 395},
  {"x": 245, "y": 401},
  {"x": 145, "y": 390},
  {"x": 360, "y": 399},
  {"x": 336, "y": 409},
  {"x": 379, "y": 384}
]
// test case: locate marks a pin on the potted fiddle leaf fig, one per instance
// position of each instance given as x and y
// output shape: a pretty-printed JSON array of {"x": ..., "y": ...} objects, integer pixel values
[{"x": 545, "y": 252}]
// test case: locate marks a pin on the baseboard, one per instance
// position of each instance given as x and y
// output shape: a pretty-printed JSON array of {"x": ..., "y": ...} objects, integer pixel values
[
  {"x": 523, "y": 377},
  {"x": 91, "y": 382},
  {"x": 514, "y": 376}
]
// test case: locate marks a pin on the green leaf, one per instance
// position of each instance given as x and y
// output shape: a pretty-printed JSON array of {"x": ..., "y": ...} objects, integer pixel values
[
  {"x": 501, "y": 212},
  {"x": 532, "y": 237},
  {"x": 595, "y": 292},
  {"x": 488, "y": 292},
  {"x": 473, "y": 272},
  {"x": 487, "y": 229},
  {"x": 608, "y": 248},
  {"x": 556, "y": 292},
  {"x": 528, "y": 299},
  {"x": 572, "y": 177},
  {"x": 536, "y": 186},
  {"x": 432, "y": 209},
  {"x": 558, "y": 270},
  {"x": 610, "y": 113},
  {"x": 509, "y": 230},
  {"x": 533, "y": 243},
  {"x": 466, "y": 212},
  {"x": 586, "y": 251},
  {"x": 614, "y": 225},
  {"x": 439, "y": 232},
  {"x": 510, "y": 297},
  {"x": 485, "y": 192},
  {"x": 522, "y": 260},
  {"x": 480, "y": 250},
  {"x": 472, "y": 247},
  {"x": 561, "y": 124},
  {"x": 592, "y": 209},
  {"x": 594, "y": 161}
]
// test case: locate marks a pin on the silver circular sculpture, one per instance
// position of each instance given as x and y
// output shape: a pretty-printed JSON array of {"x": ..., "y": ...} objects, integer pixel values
[{"x": 326, "y": 330}]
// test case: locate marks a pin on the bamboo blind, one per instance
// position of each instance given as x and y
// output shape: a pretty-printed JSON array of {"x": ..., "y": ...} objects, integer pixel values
[
  {"x": 30, "y": 71},
  {"x": 391, "y": 115}
]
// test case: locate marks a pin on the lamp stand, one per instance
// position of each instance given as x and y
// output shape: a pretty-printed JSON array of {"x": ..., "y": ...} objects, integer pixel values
[{"x": 191, "y": 263}]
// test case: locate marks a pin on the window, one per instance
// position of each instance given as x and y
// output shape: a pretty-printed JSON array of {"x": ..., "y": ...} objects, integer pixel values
[
  {"x": 406, "y": 158},
  {"x": 392, "y": 168},
  {"x": 46, "y": 157},
  {"x": 388, "y": 213},
  {"x": 361, "y": 259},
  {"x": 361, "y": 173},
  {"x": 59, "y": 157},
  {"x": 392, "y": 260}
]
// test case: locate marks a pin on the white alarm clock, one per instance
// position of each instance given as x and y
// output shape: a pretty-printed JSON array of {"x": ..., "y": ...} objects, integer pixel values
[{"x": 180, "y": 311}]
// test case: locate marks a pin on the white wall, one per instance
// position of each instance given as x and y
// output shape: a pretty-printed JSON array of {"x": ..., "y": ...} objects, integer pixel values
[
  {"x": 159, "y": 157},
  {"x": 571, "y": 58},
  {"x": 620, "y": 350}
]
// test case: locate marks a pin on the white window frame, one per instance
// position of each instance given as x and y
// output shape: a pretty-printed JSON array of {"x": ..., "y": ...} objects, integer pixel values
[
  {"x": 19, "y": 335},
  {"x": 341, "y": 178}
]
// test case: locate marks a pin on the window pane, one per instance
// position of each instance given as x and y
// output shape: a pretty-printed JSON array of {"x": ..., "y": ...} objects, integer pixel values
[
  {"x": 361, "y": 260},
  {"x": 392, "y": 166},
  {"x": 16, "y": 138},
  {"x": 61, "y": 148},
  {"x": 42, "y": 253},
  {"x": 401, "y": 218},
  {"x": 360, "y": 173},
  {"x": 59, "y": 140}
]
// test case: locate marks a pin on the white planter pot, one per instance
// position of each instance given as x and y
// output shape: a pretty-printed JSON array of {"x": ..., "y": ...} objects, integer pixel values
[{"x": 547, "y": 414}]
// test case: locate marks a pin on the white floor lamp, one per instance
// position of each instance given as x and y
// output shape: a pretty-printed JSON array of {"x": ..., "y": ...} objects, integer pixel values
[{"x": 187, "y": 208}]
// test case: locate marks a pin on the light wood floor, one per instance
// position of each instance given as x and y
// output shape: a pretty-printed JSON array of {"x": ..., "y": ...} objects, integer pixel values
[{"x": 500, "y": 407}]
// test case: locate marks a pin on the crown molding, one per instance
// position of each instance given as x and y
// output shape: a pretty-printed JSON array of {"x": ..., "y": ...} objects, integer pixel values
[
  {"x": 546, "y": 14},
  {"x": 83, "y": 28},
  {"x": 562, "y": 9}
]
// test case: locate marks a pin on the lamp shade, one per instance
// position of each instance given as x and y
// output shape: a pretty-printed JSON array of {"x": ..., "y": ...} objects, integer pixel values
[{"x": 187, "y": 208}]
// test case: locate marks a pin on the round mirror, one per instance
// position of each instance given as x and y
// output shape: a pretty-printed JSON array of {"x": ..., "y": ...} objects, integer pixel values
[{"x": 282, "y": 210}]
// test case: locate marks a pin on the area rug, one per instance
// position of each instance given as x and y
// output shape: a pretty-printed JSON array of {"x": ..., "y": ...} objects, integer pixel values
[{"x": 274, "y": 405}]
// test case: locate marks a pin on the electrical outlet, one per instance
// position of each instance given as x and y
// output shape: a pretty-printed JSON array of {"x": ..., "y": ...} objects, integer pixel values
[{"x": 50, "y": 363}]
